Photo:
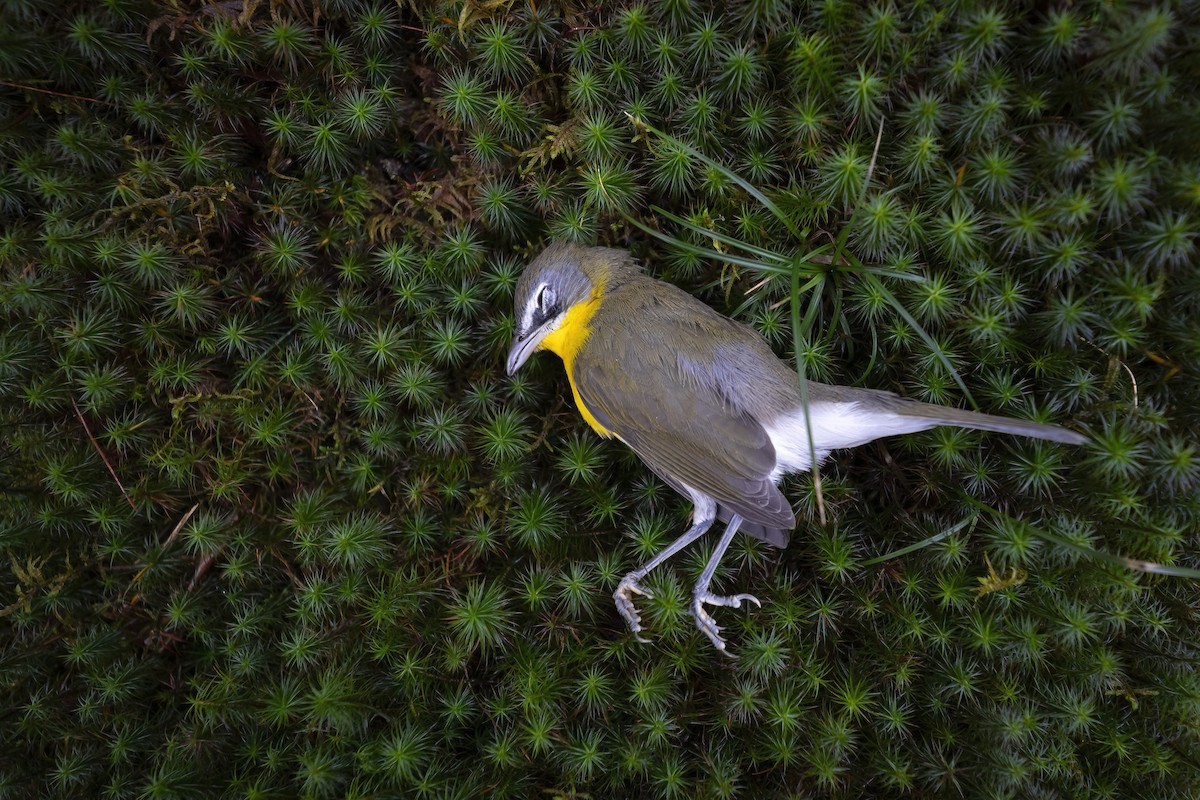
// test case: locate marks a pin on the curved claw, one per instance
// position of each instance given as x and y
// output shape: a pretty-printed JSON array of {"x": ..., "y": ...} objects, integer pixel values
[
  {"x": 734, "y": 601},
  {"x": 624, "y": 599},
  {"x": 705, "y": 621}
]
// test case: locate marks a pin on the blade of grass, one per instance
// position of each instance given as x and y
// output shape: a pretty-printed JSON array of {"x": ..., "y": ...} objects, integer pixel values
[
  {"x": 899, "y": 308},
  {"x": 885, "y": 272},
  {"x": 1135, "y": 564},
  {"x": 844, "y": 233},
  {"x": 835, "y": 318},
  {"x": 846, "y": 261},
  {"x": 926, "y": 542},
  {"x": 725, "y": 171},
  {"x": 717, "y": 235},
  {"x": 729, "y": 241},
  {"x": 797, "y": 328},
  {"x": 874, "y": 357},
  {"x": 696, "y": 249}
]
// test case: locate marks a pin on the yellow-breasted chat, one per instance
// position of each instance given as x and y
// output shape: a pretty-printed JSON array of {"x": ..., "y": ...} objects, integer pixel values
[{"x": 703, "y": 401}]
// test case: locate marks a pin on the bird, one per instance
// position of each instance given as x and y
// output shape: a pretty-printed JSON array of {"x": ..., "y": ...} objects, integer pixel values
[{"x": 703, "y": 401}]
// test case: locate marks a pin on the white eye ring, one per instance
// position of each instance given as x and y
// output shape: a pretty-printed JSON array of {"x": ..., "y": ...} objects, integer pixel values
[{"x": 545, "y": 297}]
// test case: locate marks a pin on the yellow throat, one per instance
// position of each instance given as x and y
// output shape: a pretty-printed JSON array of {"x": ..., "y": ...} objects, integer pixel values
[{"x": 567, "y": 339}]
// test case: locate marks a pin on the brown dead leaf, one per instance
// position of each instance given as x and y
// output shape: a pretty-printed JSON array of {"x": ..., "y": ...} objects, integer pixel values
[{"x": 476, "y": 10}]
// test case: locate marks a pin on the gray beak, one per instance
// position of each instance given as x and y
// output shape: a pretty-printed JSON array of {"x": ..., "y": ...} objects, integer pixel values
[{"x": 523, "y": 347}]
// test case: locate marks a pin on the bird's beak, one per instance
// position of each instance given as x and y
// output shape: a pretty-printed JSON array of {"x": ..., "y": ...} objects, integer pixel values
[{"x": 524, "y": 345}]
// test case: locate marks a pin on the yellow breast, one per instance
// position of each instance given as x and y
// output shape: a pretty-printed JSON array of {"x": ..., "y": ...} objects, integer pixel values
[{"x": 567, "y": 340}]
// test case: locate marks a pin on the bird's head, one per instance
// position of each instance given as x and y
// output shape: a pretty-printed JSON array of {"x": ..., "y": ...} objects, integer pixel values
[{"x": 560, "y": 278}]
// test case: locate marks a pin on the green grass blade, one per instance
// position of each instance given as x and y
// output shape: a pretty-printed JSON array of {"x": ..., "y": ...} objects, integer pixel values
[
  {"x": 797, "y": 328},
  {"x": 784, "y": 267},
  {"x": 926, "y": 542},
  {"x": 718, "y": 236},
  {"x": 728, "y": 173},
  {"x": 1135, "y": 564},
  {"x": 937, "y": 351}
]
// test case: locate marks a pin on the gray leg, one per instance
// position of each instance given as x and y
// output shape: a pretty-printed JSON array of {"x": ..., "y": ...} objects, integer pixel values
[
  {"x": 630, "y": 585},
  {"x": 702, "y": 596}
]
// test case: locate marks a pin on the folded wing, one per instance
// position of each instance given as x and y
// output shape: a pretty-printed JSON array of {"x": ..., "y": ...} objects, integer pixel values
[{"x": 655, "y": 399}]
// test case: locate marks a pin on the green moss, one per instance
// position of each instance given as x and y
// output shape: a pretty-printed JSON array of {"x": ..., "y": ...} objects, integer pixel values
[{"x": 275, "y": 522}]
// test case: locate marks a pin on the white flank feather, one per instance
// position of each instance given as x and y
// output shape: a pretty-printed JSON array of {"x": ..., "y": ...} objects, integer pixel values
[{"x": 834, "y": 426}]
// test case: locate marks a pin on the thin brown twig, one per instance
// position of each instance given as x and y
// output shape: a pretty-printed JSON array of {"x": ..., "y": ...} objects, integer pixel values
[
  {"x": 170, "y": 538},
  {"x": 816, "y": 472},
  {"x": 56, "y": 94},
  {"x": 202, "y": 568},
  {"x": 103, "y": 457},
  {"x": 875, "y": 152},
  {"x": 179, "y": 526}
]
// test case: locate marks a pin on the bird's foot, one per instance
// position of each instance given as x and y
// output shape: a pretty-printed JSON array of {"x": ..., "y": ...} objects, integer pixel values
[
  {"x": 628, "y": 587},
  {"x": 705, "y": 621}
]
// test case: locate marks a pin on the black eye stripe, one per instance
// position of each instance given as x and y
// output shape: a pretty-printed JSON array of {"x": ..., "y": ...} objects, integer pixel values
[{"x": 539, "y": 316}]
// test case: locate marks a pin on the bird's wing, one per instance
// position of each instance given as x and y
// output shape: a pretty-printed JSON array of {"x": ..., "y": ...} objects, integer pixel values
[{"x": 668, "y": 408}]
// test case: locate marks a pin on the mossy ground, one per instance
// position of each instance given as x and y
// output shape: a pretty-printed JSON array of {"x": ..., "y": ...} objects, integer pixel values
[{"x": 276, "y": 524}]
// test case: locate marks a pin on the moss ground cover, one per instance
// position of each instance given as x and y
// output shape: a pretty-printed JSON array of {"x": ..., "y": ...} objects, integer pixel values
[{"x": 274, "y": 522}]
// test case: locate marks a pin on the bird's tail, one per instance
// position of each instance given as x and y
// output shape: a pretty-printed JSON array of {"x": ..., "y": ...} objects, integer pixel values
[{"x": 944, "y": 415}]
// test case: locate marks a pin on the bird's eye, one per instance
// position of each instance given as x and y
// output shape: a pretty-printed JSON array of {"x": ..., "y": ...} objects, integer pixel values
[{"x": 545, "y": 297}]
